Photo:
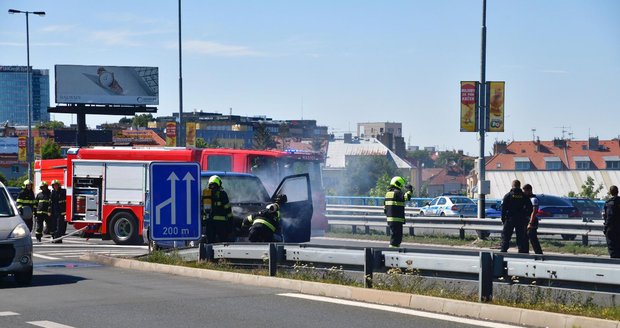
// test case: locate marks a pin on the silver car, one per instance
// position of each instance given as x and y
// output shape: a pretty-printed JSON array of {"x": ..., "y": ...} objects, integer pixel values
[
  {"x": 449, "y": 206},
  {"x": 15, "y": 241}
]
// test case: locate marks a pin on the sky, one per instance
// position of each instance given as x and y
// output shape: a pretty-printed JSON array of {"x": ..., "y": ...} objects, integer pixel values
[{"x": 342, "y": 62}]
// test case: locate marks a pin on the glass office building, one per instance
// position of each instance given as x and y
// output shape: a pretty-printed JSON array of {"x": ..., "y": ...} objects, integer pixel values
[{"x": 14, "y": 95}]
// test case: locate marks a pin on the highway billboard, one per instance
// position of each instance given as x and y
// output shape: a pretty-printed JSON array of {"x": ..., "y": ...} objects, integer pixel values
[{"x": 107, "y": 85}]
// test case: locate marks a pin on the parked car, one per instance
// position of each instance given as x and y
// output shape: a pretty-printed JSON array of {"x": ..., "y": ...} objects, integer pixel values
[
  {"x": 555, "y": 207},
  {"x": 15, "y": 241},
  {"x": 493, "y": 209},
  {"x": 449, "y": 206},
  {"x": 248, "y": 195},
  {"x": 589, "y": 209}
]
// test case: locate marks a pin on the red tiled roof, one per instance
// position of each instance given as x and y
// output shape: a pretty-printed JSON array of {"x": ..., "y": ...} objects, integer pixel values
[
  {"x": 540, "y": 152},
  {"x": 451, "y": 174}
]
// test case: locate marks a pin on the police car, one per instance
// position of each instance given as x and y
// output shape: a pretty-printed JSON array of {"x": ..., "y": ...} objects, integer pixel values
[{"x": 449, "y": 206}]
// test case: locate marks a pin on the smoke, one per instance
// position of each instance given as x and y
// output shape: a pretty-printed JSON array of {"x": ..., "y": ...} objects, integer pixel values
[{"x": 361, "y": 174}]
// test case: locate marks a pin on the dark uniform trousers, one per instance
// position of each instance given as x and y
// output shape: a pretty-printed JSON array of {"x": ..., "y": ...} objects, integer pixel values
[
  {"x": 532, "y": 234},
  {"x": 260, "y": 234},
  {"x": 396, "y": 233},
  {"x": 519, "y": 226}
]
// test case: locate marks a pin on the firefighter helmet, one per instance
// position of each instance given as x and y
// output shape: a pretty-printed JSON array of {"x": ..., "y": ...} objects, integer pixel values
[
  {"x": 27, "y": 182},
  {"x": 55, "y": 181},
  {"x": 272, "y": 208},
  {"x": 214, "y": 179},
  {"x": 397, "y": 182},
  {"x": 43, "y": 184}
]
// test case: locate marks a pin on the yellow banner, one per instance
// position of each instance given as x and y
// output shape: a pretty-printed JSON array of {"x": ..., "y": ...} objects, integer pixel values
[
  {"x": 38, "y": 144},
  {"x": 171, "y": 134},
  {"x": 469, "y": 114},
  {"x": 22, "y": 153},
  {"x": 190, "y": 134},
  {"x": 496, "y": 106}
]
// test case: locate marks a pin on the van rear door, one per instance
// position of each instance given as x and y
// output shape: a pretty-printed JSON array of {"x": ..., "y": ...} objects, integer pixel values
[{"x": 296, "y": 213}]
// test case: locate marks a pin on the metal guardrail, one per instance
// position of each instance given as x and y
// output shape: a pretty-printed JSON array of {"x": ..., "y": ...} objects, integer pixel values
[
  {"x": 373, "y": 217},
  {"x": 586, "y": 273}
]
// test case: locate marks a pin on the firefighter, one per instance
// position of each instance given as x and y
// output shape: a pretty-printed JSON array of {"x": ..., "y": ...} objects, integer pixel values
[
  {"x": 394, "y": 208},
  {"x": 515, "y": 217},
  {"x": 612, "y": 223},
  {"x": 59, "y": 209},
  {"x": 42, "y": 213},
  {"x": 26, "y": 199},
  {"x": 217, "y": 213},
  {"x": 266, "y": 223}
]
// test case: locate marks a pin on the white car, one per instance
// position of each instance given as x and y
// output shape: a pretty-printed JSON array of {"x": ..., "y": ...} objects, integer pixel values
[{"x": 15, "y": 241}]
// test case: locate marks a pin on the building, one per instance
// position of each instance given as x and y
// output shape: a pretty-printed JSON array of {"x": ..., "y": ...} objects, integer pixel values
[
  {"x": 554, "y": 167},
  {"x": 14, "y": 95},
  {"x": 388, "y": 133}
]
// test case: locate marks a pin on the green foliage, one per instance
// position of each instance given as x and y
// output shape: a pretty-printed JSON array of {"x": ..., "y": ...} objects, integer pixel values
[
  {"x": 201, "y": 143},
  {"x": 446, "y": 158},
  {"x": 142, "y": 120},
  {"x": 51, "y": 125},
  {"x": 317, "y": 143},
  {"x": 362, "y": 173},
  {"x": 125, "y": 120},
  {"x": 381, "y": 187},
  {"x": 262, "y": 138},
  {"x": 422, "y": 156},
  {"x": 17, "y": 182},
  {"x": 588, "y": 190},
  {"x": 467, "y": 164},
  {"x": 571, "y": 194},
  {"x": 50, "y": 150},
  {"x": 3, "y": 179}
]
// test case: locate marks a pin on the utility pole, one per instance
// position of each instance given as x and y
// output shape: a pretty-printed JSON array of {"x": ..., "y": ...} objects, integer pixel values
[
  {"x": 482, "y": 110},
  {"x": 181, "y": 127}
]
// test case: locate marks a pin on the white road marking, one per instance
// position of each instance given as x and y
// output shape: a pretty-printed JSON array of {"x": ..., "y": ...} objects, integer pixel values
[
  {"x": 44, "y": 257},
  {"x": 7, "y": 313},
  {"x": 48, "y": 324},
  {"x": 387, "y": 308}
]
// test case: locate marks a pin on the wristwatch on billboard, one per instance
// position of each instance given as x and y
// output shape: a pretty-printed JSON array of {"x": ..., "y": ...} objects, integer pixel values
[{"x": 107, "y": 80}]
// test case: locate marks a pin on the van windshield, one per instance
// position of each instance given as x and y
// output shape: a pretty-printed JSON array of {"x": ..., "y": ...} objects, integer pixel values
[{"x": 241, "y": 189}]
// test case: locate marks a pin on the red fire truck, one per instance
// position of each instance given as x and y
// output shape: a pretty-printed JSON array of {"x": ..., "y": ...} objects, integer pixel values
[{"x": 106, "y": 186}]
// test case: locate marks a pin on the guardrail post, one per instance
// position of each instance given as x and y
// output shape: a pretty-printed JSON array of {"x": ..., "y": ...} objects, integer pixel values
[
  {"x": 205, "y": 252},
  {"x": 584, "y": 240},
  {"x": 369, "y": 261},
  {"x": 485, "y": 277},
  {"x": 387, "y": 231},
  {"x": 462, "y": 233},
  {"x": 273, "y": 260},
  {"x": 367, "y": 230},
  {"x": 353, "y": 229},
  {"x": 411, "y": 231}
]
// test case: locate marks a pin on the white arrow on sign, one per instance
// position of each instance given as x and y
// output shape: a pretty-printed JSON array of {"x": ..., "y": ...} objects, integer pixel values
[
  {"x": 188, "y": 178},
  {"x": 170, "y": 201}
]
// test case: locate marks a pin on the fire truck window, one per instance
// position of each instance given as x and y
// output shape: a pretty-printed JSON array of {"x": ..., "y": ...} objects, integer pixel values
[{"x": 219, "y": 163}]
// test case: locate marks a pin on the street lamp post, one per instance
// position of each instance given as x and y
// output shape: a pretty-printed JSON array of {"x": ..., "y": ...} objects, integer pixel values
[{"x": 29, "y": 156}]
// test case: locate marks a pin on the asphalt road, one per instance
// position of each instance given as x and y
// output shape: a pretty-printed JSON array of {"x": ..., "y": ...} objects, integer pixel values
[{"x": 79, "y": 294}]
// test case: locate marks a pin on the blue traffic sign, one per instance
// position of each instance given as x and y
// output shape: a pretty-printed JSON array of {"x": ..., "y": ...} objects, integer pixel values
[{"x": 175, "y": 201}]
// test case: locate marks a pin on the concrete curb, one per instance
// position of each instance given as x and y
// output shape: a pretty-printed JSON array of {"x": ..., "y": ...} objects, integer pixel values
[{"x": 472, "y": 310}]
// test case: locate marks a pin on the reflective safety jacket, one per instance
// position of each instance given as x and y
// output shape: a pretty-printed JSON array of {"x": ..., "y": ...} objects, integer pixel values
[
  {"x": 394, "y": 204},
  {"x": 26, "y": 198},
  {"x": 43, "y": 203},
  {"x": 268, "y": 219},
  {"x": 216, "y": 205},
  {"x": 59, "y": 202}
]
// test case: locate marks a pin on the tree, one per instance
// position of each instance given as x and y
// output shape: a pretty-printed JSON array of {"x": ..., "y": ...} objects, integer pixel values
[
  {"x": 3, "y": 179},
  {"x": 262, "y": 138},
  {"x": 51, "y": 125},
  {"x": 446, "y": 158},
  {"x": 362, "y": 173},
  {"x": 588, "y": 190},
  {"x": 125, "y": 120},
  {"x": 202, "y": 143},
  {"x": 50, "y": 150},
  {"x": 423, "y": 157},
  {"x": 142, "y": 120},
  {"x": 383, "y": 183}
]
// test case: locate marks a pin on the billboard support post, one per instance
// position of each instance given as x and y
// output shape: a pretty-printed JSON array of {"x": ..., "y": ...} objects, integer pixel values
[
  {"x": 482, "y": 108},
  {"x": 181, "y": 128},
  {"x": 81, "y": 130}
]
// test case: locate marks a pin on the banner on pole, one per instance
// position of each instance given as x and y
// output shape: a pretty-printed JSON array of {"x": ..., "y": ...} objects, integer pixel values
[
  {"x": 190, "y": 137},
  {"x": 171, "y": 134},
  {"x": 469, "y": 101},
  {"x": 495, "y": 101},
  {"x": 23, "y": 151}
]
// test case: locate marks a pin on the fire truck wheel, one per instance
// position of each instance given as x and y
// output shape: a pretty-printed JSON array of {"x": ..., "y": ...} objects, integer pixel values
[{"x": 124, "y": 229}]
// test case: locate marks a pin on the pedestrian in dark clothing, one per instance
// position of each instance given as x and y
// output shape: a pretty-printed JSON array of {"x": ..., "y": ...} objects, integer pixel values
[
  {"x": 59, "y": 209},
  {"x": 515, "y": 217},
  {"x": 394, "y": 208},
  {"x": 26, "y": 199},
  {"x": 43, "y": 212},
  {"x": 217, "y": 212},
  {"x": 532, "y": 226},
  {"x": 612, "y": 223}
]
